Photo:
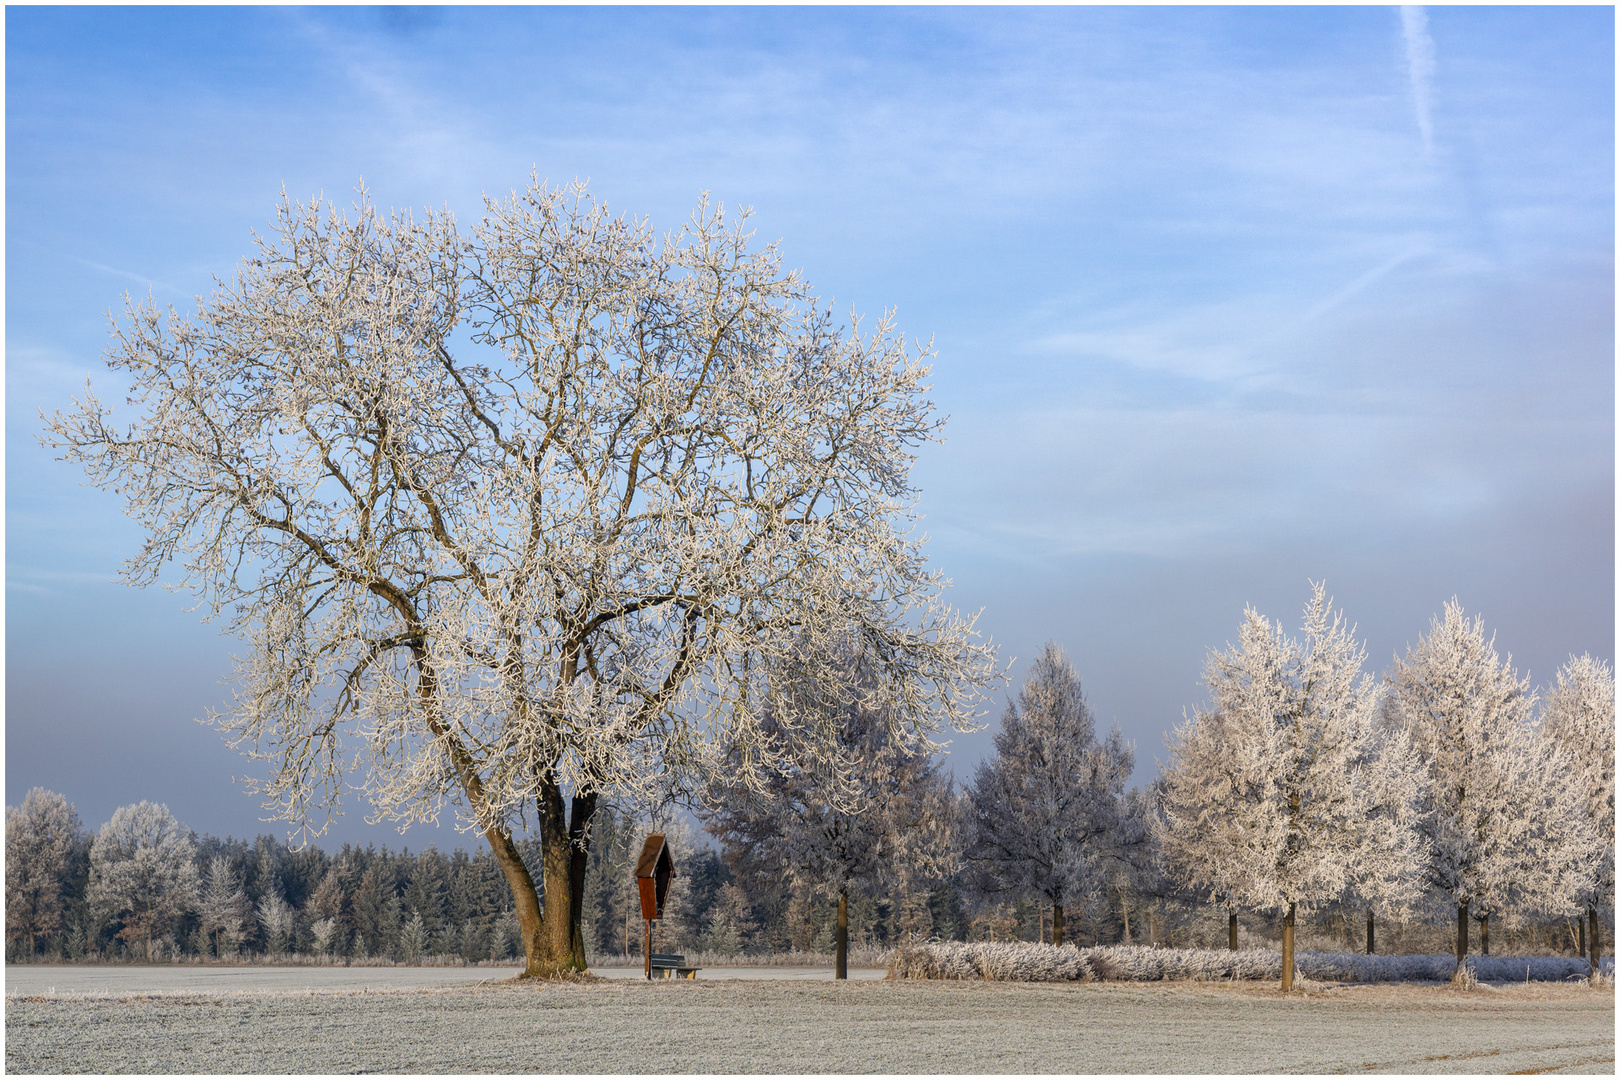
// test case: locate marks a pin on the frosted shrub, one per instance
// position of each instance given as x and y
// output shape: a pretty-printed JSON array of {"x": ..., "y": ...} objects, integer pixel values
[{"x": 1024, "y": 961}]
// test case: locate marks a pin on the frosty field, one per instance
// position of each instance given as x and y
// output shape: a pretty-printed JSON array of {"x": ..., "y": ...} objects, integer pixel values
[
  {"x": 628, "y": 1026},
  {"x": 138, "y": 980}
]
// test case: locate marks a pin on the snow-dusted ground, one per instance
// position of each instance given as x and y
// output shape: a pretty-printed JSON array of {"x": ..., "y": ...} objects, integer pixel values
[
  {"x": 800, "y": 974},
  {"x": 127, "y": 979},
  {"x": 631, "y": 1026}
]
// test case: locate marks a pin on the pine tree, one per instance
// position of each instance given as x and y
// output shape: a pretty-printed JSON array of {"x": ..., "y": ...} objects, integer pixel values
[
  {"x": 731, "y": 923},
  {"x": 427, "y": 888},
  {"x": 1043, "y": 813},
  {"x": 225, "y": 912},
  {"x": 413, "y": 938},
  {"x": 276, "y": 921},
  {"x": 333, "y": 915}
]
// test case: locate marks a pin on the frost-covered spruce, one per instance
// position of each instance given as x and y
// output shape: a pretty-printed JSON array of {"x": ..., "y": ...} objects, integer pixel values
[
  {"x": 223, "y": 908},
  {"x": 1504, "y": 827},
  {"x": 877, "y": 815},
  {"x": 1284, "y": 793},
  {"x": 525, "y": 511},
  {"x": 277, "y": 919},
  {"x": 1044, "y": 812},
  {"x": 1578, "y": 721}
]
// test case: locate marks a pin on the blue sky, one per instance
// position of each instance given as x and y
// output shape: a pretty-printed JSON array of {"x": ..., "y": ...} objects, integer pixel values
[{"x": 1224, "y": 300}]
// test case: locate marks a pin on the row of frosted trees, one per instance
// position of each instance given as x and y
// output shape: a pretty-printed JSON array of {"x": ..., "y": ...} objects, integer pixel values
[
  {"x": 1439, "y": 791},
  {"x": 1306, "y": 787},
  {"x": 1445, "y": 790}
]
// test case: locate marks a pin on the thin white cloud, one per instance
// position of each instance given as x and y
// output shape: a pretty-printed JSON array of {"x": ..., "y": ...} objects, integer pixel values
[
  {"x": 1359, "y": 284},
  {"x": 150, "y": 283},
  {"x": 1420, "y": 67},
  {"x": 45, "y": 582}
]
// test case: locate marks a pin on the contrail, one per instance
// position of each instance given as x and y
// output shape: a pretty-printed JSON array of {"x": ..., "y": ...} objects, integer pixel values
[{"x": 1419, "y": 66}]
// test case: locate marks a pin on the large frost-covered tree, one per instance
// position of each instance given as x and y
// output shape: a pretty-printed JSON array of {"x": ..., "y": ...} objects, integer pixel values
[
  {"x": 519, "y": 518},
  {"x": 42, "y": 836},
  {"x": 143, "y": 872},
  {"x": 1504, "y": 834},
  {"x": 1577, "y": 718},
  {"x": 1267, "y": 801},
  {"x": 877, "y": 814},
  {"x": 1044, "y": 811}
]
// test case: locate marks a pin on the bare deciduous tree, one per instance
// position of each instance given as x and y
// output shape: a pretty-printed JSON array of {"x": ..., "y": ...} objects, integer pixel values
[
  {"x": 143, "y": 872},
  {"x": 41, "y": 837},
  {"x": 520, "y": 519},
  {"x": 877, "y": 814}
]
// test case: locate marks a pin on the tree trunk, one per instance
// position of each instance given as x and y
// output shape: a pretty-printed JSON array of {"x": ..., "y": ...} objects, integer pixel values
[
  {"x": 1485, "y": 934},
  {"x": 1593, "y": 939},
  {"x": 552, "y": 942},
  {"x": 581, "y": 810},
  {"x": 1369, "y": 932},
  {"x": 1057, "y": 924},
  {"x": 559, "y": 947},
  {"x": 1462, "y": 938},
  {"x": 525, "y": 901},
  {"x": 1288, "y": 950},
  {"x": 1581, "y": 930},
  {"x": 1125, "y": 911},
  {"x": 1231, "y": 929},
  {"x": 841, "y": 961}
]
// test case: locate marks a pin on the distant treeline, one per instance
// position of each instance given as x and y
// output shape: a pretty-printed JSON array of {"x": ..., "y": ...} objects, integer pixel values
[
  {"x": 211, "y": 898},
  {"x": 229, "y": 899}
]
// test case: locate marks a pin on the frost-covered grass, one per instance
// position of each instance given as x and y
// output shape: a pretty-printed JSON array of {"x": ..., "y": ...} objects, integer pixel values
[
  {"x": 1023, "y": 961},
  {"x": 868, "y": 1027},
  {"x": 276, "y": 960}
]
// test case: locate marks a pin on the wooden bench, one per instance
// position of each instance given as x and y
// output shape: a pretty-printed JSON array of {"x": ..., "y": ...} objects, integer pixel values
[{"x": 673, "y": 965}]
